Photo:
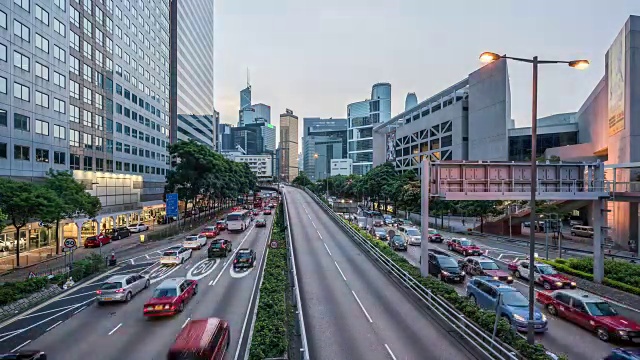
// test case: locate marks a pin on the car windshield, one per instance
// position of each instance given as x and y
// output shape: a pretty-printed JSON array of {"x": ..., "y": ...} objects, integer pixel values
[
  {"x": 92, "y": 238},
  {"x": 170, "y": 253},
  {"x": 413, "y": 232},
  {"x": 220, "y": 222},
  {"x": 447, "y": 262},
  {"x": 160, "y": 292},
  {"x": 216, "y": 245},
  {"x": 432, "y": 231},
  {"x": 192, "y": 238},
  {"x": 398, "y": 239},
  {"x": 601, "y": 309},
  {"x": 244, "y": 255},
  {"x": 379, "y": 230},
  {"x": 546, "y": 270},
  {"x": 209, "y": 228},
  {"x": 111, "y": 285},
  {"x": 466, "y": 242},
  {"x": 514, "y": 299},
  {"x": 489, "y": 265}
]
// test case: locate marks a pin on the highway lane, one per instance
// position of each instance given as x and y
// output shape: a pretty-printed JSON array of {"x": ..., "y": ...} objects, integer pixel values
[
  {"x": 353, "y": 308},
  {"x": 121, "y": 331},
  {"x": 562, "y": 336}
]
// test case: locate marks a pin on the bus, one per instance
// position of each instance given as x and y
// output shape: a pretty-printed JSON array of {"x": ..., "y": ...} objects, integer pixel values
[
  {"x": 239, "y": 220},
  {"x": 257, "y": 201}
]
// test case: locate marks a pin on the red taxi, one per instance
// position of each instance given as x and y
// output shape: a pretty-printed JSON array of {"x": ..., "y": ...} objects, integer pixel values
[
  {"x": 170, "y": 297},
  {"x": 543, "y": 274},
  {"x": 464, "y": 246},
  {"x": 210, "y": 232},
  {"x": 97, "y": 241},
  {"x": 267, "y": 212},
  {"x": 221, "y": 225},
  {"x": 590, "y": 312},
  {"x": 482, "y": 266},
  {"x": 201, "y": 339}
]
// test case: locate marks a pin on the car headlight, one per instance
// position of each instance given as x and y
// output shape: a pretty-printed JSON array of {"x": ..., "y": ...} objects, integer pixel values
[
  {"x": 573, "y": 284},
  {"x": 544, "y": 318},
  {"x": 622, "y": 332},
  {"x": 462, "y": 273},
  {"x": 559, "y": 284},
  {"x": 519, "y": 318},
  {"x": 509, "y": 278},
  {"x": 495, "y": 278},
  {"x": 445, "y": 273}
]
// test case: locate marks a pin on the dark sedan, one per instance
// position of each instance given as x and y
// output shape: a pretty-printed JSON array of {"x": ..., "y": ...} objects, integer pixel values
[
  {"x": 397, "y": 243},
  {"x": 381, "y": 233},
  {"x": 445, "y": 268}
]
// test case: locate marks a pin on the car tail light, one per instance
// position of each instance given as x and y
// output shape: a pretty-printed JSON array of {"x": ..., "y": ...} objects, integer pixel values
[
  {"x": 120, "y": 290},
  {"x": 168, "y": 306},
  {"x": 222, "y": 246},
  {"x": 235, "y": 261},
  {"x": 99, "y": 292}
]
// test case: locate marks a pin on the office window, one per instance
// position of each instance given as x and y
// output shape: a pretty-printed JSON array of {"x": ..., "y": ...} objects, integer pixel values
[
  {"x": 109, "y": 24},
  {"x": 74, "y": 89},
  {"x": 87, "y": 6},
  {"x": 3, "y": 20},
  {"x": 42, "y": 127},
  {"x": 59, "y": 157},
  {"x": 147, "y": 154},
  {"x": 118, "y": 127},
  {"x": 134, "y": 168},
  {"x": 59, "y": 106},
  {"x": 42, "y": 71},
  {"x": 88, "y": 95},
  {"x": 21, "y": 122},
  {"x": 134, "y": 133},
  {"x": 99, "y": 37},
  {"x": 74, "y": 161},
  {"x": 99, "y": 103},
  {"x": 74, "y": 137},
  {"x": 99, "y": 16},
  {"x": 140, "y": 136},
  {"x": 59, "y": 53},
  {"x": 127, "y": 131},
  {"x": 59, "y": 27},
  {"x": 42, "y": 15},
  {"x": 88, "y": 50},
  {"x": 109, "y": 64},
  {"x": 118, "y": 70},
  {"x": 74, "y": 114},
  {"x": 99, "y": 164},
  {"x": 134, "y": 150},
  {"x": 74, "y": 65},
  {"x": 3, "y": 85},
  {"x": 118, "y": 51},
  {"x": 42, "y": 99},
  {"x": 3, "y": 118},
  {"x": 86, "y": 118},
  {"x": 109, "y": 165},
  {"x": 23, "y": 4},
  {"x": 118, "y": 165},
  {"x": 21, "y": 92},
  {"x": 87, "y": 72},
  {"x": 127, "y": 112},
  {"x": 74, "y": 16},
  {"x": 88, "y": 27},
  {"x": 109, "y": 147},
  {"x": 21, "y": 61},
  {"x": 87, "y": 140},
  {"x": 99, "y": 143},
  {"x": 110, "y": 125},
  {"x": 59, "y": 79},
  {"x": 118, "y": 146},
  {"x": 118, "y": 89},
  {"x": 21, "y": 152},
  {"x": 3, "y": 52},
  {"x": 118, "y": 13},
  {"x": 21, "y": 30},
  {"x": 42, "y": 43},
  {"x": 74, "y": 40},
  {"x": 42, "y": 155},
  {"x": 3, "y": 150},
  {"x": 127, "y": 149},
  {"x": 88, "y": 163},
  {"x": 127, "y": 167},
  {"x": 109, "y": 46},
  {"x": 98, "y": 122},
  {"x": 59, "y": 132},
  {"x": 61, "y": 4},
  {"x": 118, "y": 108}
]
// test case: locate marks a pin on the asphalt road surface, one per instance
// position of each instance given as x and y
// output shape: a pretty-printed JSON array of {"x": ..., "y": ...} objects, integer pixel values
[
  {"x": 74, "y": 327},
  {"x": 562, "y": 336},
  {"x": 352, "y": 309}
]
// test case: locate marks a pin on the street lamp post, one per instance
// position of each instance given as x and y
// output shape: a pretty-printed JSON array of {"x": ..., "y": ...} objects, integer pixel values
[{"x": 535, "y": 62}]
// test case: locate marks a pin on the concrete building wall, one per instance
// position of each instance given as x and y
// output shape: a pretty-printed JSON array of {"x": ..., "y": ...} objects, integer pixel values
[{"x": 341, "y": 167}]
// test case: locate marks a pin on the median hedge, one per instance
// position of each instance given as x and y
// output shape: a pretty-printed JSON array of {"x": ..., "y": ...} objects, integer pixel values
[
  {"x": 270, "y": 336},
  {"x": 617, "y": 274},
  {"x": 14, "y": 291},
  {"x": 485, "y": 319}
]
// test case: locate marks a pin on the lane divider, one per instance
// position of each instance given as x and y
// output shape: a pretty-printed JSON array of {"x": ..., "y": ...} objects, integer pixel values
[
  {"x": 45, "y": 312},
  {"x": 224, "y": 267},
  {"x": 390, "y": 352},
  {"x": 362, "y": 307},
  {"x": 185, "y": 323},
  {"x": 116, "y": 328},
  {"x": 54, "y": 325},
  {"x": 326, "y": 247},
  {"x": 341, "y": 273},
  {"x": 320, "y": 235},
  {"x": 21, "y": 346}
]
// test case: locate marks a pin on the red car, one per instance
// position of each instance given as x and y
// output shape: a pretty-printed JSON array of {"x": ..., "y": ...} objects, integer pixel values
[
  {"x": 221, "y": 225},
  {"x": 97, "y": 241},
  {"x": 267, "y": 212},
  {"x": 210, "y": 232},
  {"x": 543, "y": 274},
  {"x": 590, "y": 312},
  {"x": 464, "y": 246},
  {"x": 477, "y": 265},
  {"x": 170, "y": 297}
]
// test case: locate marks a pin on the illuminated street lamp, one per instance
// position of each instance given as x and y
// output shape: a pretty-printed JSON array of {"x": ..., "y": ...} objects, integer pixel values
[{"x": 488, "y": 57}]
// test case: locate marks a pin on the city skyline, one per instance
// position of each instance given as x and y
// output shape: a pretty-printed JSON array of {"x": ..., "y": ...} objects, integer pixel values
[{"x": 327, "y": 93}]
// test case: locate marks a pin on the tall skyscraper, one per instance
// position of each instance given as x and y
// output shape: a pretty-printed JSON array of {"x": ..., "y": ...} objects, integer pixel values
[
  {"x": 363, "y": 115},
  {"x": 192, "y": 66},
  {"x": 262, "y": 113},
  {"x": 328, "y": 139},
  {"x": 246, "y": 113},
  {"x": 288, "y": 146}
]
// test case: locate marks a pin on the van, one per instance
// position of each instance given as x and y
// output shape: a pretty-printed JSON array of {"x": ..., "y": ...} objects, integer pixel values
[
  {"x": 580, "y": 230},
  {"x": 203, "y": 339}
]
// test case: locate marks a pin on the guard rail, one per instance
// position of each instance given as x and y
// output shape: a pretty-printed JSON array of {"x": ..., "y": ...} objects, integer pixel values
[
  {"x": 475, "y": 336},
  {"x": 304, "y": 350}
]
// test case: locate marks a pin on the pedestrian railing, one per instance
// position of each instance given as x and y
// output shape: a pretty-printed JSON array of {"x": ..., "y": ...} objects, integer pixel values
[{"x": 475, "y": 336}]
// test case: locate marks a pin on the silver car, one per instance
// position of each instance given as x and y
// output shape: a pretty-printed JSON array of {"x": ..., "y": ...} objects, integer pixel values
[{"x": 121, "y": 288}]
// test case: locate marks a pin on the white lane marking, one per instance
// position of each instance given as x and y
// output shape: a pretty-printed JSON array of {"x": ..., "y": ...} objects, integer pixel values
[
  {"x": 326, "y": 247},
  {"x": 239, "y": 274},
  {"x": 82, "y": 294},
  {"x": 390, "y": 352},
  {"x": 500, "y": 256},
  {"x": 10, "y": 332},
  {"x": 21, "y": 346},
  {"x": 150, "y": 266},
  {"x": 224, "y": 267},
  {"x": 166, "y": 271},
  {"x": 342, "y": 274},
  {"x": 54, "y": 325},
  {"x": 203, "y": 268},
  {"x": 40, "y": 322},
  {"x": 314, "y": 225},
  {"x": 185, "y": 323},
  {"x": 320, "y": 235},
  {"x": 132, "y": 262},
  {"x": 362, "y": 307},
  {"x": 147, "y": 256},
  {"x": 46, "y": 312},
  {"x": 77, "y": 311},
  {"x": 116, "y": 328}
]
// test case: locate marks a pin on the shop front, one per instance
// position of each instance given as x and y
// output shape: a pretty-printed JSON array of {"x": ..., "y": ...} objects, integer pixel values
[{"x": 36, "y": 243}]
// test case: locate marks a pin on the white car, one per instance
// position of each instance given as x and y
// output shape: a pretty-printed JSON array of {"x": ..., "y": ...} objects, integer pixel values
[
  {"x": 175, "y": 256},
  {"x": 413, "y": 235},
  {"x": 195, "y": 241},
  {"x": 139, "y": 227}
]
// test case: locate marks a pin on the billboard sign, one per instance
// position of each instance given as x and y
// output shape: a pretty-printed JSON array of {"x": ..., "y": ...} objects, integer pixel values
[
  {"x": 391, "y": 146},
  {"x": 616, "y": 81}
]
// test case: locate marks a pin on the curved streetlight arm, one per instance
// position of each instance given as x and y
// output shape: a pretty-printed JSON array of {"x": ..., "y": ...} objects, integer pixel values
[{"x": 531, "y": 61}]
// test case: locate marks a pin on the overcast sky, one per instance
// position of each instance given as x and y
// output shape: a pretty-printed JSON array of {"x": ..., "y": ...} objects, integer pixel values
[{"x": 315, "y": 57}]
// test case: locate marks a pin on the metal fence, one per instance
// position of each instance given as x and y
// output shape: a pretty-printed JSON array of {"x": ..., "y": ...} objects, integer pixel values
[{"x": 475, "y": 336}]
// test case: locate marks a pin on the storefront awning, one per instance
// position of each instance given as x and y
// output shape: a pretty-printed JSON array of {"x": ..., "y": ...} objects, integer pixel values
[
  {"x": 156, "y": 203},
  {"x": 602, "y": 152}
]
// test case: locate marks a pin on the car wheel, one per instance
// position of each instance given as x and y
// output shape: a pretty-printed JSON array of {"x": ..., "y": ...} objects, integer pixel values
[
  {"x": 517, "y": 274},
  {"x": 450, "y": 249},
  {"x": 603, "y": 334},
  {"x": 552, "y": 309},
  {"x": 546, "y": 285},
  {"x": 181, "y": 261},
  {"x": 147, "y": 284},
  {"x": 195, "y": 290},
  {"x": 573, "y": 234},
  {"x": 473, "y": 299},
  {"x": 181, "y": 307},
  {"x": 128, "y": 297}
]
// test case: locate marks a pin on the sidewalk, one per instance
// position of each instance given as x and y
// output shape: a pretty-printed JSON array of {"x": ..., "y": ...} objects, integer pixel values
[{"x": 57, "y": 264}]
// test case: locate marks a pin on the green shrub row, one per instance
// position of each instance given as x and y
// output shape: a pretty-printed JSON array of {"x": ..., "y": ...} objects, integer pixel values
[
  {"x": 583, "y": 268},
  {"x": 14, "y": 291},
  {"x": 270, "y": 332},
  {"x": 485, "y": 319}
]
